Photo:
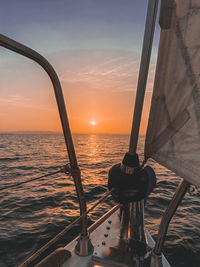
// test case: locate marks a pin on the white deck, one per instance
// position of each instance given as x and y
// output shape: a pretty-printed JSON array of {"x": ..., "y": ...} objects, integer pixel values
[{"x": 104, "y": 236}]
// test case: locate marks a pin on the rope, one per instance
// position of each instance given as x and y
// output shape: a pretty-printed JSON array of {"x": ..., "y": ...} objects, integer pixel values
[
  {"x": 31, "y": 180},
  {"x": 63, "y": 232}
]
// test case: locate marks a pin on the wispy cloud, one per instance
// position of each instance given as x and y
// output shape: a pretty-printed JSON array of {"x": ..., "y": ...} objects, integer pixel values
[
  {"x": 116, "y": 72},
  {"x": 21, "y": 101}
]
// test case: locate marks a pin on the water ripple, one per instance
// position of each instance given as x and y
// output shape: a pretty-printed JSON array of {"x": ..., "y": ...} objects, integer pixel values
[{"x": 32, "y": 214}]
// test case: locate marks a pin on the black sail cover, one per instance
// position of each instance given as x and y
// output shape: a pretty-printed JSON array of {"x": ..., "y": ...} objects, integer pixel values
[{"x": 173, "y": 133}]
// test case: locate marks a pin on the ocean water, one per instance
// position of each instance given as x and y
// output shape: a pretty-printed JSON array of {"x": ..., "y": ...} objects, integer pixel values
[{"x": 33, "y": 213}]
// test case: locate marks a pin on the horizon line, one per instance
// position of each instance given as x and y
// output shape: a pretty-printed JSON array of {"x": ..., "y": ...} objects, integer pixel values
[{"x": 59, "y": 132}]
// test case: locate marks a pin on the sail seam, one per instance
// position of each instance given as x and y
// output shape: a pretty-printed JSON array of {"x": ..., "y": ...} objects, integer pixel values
[
  {"x": 190, "y": 72},
  {"x": 169, "y": 132}
]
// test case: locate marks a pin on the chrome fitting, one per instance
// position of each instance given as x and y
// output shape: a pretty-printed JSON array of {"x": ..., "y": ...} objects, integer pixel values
[
  {"x": 84, "y": 246},
  {"x": 127, "y": 169},
  {"x": 156, "y": 260}
]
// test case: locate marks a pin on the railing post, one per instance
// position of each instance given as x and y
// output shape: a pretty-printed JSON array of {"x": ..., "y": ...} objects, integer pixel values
[
  {"x": 167, "y": 216},
  {"x": 75, "y": 171}
]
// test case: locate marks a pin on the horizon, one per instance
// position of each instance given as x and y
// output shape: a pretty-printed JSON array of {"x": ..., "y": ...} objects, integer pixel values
[
  {"x": 95, "y": 48},
  {"x": 60, "y": 132}
]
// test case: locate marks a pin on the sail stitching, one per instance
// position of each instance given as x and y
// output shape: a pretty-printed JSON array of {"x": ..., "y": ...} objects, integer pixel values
[
  {"x": 190, "y": 72},
  {"x": 169, "y": 132}
]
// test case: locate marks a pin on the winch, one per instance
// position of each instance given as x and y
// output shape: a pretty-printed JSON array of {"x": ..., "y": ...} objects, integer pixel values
[{"x": 130, "y": 181}]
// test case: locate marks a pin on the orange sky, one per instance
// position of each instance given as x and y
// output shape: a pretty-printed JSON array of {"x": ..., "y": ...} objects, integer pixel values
[
  {"x": 95, "y": 48},
  {"x": 103, "y": 90}
]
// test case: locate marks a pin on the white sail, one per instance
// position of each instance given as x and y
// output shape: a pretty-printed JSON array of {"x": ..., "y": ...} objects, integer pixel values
[{"x": 173, "y": 134}]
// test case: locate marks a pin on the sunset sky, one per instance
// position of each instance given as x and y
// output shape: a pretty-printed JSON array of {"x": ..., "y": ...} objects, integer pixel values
[{"x": 95, "y": 47}]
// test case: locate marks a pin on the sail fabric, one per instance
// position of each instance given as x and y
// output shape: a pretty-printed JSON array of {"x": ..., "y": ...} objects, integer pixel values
[{"x": 173, "y": 133}]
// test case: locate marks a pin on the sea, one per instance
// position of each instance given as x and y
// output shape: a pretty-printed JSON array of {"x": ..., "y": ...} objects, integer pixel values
[{"x": 32, "y": 213}]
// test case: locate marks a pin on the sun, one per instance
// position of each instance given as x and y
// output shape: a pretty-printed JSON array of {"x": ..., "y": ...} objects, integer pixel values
[{"x": 93, "y": 123}]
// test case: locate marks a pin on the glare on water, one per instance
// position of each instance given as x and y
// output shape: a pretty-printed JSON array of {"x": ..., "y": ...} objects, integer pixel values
[{"x": 32, "y": 214}]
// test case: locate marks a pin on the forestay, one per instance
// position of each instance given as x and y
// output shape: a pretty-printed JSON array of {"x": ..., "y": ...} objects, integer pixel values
[{"x": 173, "y": 134}]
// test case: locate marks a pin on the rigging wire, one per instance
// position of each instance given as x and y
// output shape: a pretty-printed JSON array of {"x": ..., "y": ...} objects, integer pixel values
[
  {"x": 63, "y": 232},
  {"x": 63, "y": 169}
]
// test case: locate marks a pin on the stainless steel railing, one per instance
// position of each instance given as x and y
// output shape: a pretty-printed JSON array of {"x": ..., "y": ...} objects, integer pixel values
[{"x": 75, "y": 171}]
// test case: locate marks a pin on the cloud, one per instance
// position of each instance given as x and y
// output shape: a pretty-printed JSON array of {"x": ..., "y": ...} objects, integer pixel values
[
  {"x": 13, "y": 99},
  {"x": 100, "y": 69},
  {"x": 20, "y": 101}
]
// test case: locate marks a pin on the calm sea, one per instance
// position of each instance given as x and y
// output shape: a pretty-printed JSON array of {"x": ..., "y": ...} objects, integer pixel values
[{"x": 33, "y": 213}]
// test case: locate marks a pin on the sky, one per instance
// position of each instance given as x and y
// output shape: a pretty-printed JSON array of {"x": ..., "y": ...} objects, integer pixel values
[{"x": 95, "y": 48}]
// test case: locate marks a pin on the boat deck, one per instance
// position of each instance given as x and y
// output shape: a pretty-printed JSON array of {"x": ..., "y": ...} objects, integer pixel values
[{"x": 105, "y": 239}]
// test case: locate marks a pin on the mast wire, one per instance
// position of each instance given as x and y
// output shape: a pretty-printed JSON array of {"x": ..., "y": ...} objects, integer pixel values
[{"x": 63, "y": 169}]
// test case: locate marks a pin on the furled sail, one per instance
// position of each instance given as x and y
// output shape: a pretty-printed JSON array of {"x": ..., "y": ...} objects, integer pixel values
[{"x": 173, "y": 134}]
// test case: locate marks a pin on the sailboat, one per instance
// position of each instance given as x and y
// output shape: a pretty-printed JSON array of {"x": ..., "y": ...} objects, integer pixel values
[{"x": 119, "y": 238}]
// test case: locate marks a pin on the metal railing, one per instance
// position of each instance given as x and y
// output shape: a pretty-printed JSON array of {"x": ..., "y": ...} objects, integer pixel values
[{"x": 75, "y": 171}]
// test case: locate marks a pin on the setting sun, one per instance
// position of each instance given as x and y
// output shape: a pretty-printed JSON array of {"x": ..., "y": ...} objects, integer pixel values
[{"x": 93, "y": 123}]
